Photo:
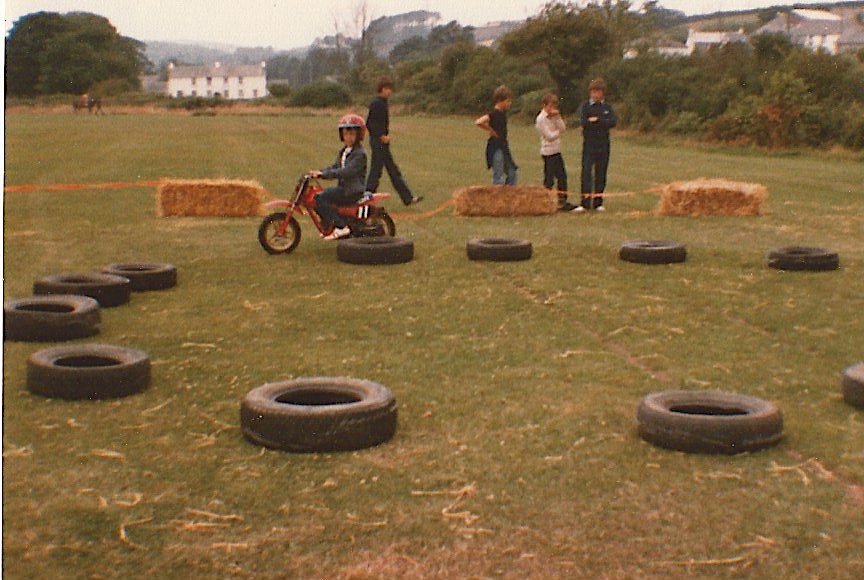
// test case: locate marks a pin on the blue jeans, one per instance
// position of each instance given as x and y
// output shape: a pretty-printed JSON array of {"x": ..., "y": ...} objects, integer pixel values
[
  {"x": 331, "y": 196},
  {"x": 499, "y": 166}
]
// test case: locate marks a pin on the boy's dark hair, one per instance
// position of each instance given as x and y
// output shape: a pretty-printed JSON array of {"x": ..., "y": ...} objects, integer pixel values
[
  {"x": 549, "y": 98},
  {"x": 502, "y": 93},
  {"x": 384, "y": 83}
]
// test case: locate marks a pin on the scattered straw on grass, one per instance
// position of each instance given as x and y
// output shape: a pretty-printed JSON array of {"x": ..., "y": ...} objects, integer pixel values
[
  {"x": 209, "y": 197},
  {"x": 108, "y": 454},
  {"x": 504, "y": 200},
  {"x": 703, "y": 563},
  {"x": 124, "y": 536},
  {"x": 215, "y": 516},
  {"x": 705, "y": 197}
]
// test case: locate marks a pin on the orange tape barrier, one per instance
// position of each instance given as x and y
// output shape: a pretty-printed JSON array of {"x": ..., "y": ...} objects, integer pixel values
[
  {"x": 425, "y": 214},
  {"x": 76, "y": 186}
]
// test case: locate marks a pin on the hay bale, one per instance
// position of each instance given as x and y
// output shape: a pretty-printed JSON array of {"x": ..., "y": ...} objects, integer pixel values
[
  {"x": 209, "y": 197},
  {"x": 505, "y": 200},
  {"x": 703, "y": 197}
]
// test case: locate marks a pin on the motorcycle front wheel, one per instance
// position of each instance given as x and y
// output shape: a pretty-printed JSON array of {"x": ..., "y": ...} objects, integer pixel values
[{"x": 271, "y": 241}]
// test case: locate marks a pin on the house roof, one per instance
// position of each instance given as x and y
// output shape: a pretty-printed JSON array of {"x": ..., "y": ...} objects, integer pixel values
[
  {"x": 811, "y": 14},
  {"x": 217, "y": 70}
]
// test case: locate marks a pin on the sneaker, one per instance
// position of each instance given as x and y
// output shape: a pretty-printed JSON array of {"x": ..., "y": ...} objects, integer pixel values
[
  {"x": 339, "y": 233},
  {"x": 600, "y": 208},
  {"x": 567, "y": 206},
  {"x": 415, "y": 199},
  {"x": 578, "y": 209}
]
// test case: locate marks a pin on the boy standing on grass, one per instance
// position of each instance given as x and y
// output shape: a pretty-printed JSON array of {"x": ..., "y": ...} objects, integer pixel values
[
  {"x": 596, "y": 118},
  {"x": 550, "y": 125},
  {"x": 378, "y": 124},
  {"x": 498, "y": 156}
]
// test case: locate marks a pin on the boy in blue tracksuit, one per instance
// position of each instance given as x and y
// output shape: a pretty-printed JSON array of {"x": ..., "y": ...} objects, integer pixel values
[{"x": 596, "y": 118}]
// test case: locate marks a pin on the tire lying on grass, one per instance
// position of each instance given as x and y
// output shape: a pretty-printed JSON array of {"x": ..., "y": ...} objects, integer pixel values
[
  {"x": 853, "y": 385},
  {"x": 88, "y": 371},
  {"x": 107, "y": 289},
  {"x": 499, "y": 249},
  {"x": 50, "y": 318},
  {"x": 652, "y": 252},
  {"x": 144, "y": 276},
  {"x": 319, "y": 414},
  {"x": 375, "y": 251},
  {"x": 709, "y": 422},
  {"x": 803, "y": 258}
]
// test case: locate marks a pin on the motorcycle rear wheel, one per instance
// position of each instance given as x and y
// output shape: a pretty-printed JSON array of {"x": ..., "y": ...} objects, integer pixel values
[
  {"x": 271, "y": 241},
  {"x": 384, "y": 221}
]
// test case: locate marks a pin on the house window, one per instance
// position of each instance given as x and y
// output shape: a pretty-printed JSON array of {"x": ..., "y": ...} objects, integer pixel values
[
  {"x": 240, "y": 93},
  {"x": 227, "y": 94},
  {"x": 179, "y": 93},
  {"x": 240, "y": 80},
  {"x": 254, "y": 93},
  {"x": 193, "y": 81},
  {"x": 226, "y": 80},
  {"x": 209, "y": 81},
  {"x": 209, "y": 93},
  {"x": 194, "y": 93}
]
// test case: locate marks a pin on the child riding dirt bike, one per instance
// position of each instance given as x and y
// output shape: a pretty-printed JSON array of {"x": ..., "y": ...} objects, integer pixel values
[
  {"x": 350, "y": 170},
  {"x": 338, "y": 212}
]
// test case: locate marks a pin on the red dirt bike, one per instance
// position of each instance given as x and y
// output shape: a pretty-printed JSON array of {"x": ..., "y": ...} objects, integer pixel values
[{"x": 280, "y": 233}]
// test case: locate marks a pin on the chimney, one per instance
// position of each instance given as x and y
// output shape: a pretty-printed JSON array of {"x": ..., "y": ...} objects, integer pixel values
[{"x": 217, "y": 64}]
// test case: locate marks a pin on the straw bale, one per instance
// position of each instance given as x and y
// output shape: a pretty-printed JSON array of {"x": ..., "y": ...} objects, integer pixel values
[
  {"x": 209, "y": 197},
  {"x": 505, "y": 200},
  {"x": 703, "y": 197}
]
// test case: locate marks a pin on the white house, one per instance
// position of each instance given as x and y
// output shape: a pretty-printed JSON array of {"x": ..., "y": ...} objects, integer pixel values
[
  {"x": 233, "y": 82},
  {"x": 699, "y": 41},
  {"x": 814, "y": 29}
]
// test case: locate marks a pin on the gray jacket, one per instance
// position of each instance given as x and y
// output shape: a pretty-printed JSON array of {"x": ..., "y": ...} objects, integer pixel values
[{"x": 352, "y": 177}]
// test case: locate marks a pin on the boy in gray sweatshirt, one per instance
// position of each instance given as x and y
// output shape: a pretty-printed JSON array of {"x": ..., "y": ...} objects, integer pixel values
[{"x": 551, "y": 126}]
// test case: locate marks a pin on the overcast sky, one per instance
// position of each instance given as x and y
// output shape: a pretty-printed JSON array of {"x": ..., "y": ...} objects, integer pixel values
[{"x": 294, "y": 23}]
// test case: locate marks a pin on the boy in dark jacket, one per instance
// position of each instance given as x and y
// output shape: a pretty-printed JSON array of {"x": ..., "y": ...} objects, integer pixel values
[
  {"x": 596, "y": 118},
  {"x": 350, "y": 170},
  {"x": 498, "y": 156},
  {"x": 378, "y": 124}
]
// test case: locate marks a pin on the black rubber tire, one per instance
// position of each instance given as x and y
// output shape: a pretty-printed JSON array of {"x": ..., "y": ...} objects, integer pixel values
[
  {"x": 652, "y": 252},
  {"x": 108, "y": 289},
  {"x": 50, "y": 318},
  {"x": 499, "y": 249},
  {"x": 379, "y": 225},
  {"x": 328, "y": 414},
  {"x": 853, "y": 385},
  {"x": 375, "y": 250},
  {"x": 145, "y": 276},
  {"x": 800, "y": 258},
  {"x": 88, "y": 371},
  {"x": 264, "y": 239},
  {"x": 709, "y": 422}
]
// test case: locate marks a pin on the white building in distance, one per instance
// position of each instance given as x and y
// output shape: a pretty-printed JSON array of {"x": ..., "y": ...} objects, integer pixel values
[{"x": 233, "y": 82}]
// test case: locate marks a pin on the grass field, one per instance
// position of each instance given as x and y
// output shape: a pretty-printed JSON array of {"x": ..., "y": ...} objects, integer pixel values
[{"x": 516, "y": 453}]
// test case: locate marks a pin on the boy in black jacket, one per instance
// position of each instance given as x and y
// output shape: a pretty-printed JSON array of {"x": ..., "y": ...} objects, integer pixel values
[
  {"x": 596, "y": 118},
  {"x": 350, "y": 170},
  {"x": 378, "y": 123}
]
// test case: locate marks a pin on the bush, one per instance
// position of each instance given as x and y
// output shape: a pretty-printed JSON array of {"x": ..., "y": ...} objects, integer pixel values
[
  {"x": 321, "y": 94},
  {"x": 686, "y": 123},
  {"x": 279, "y": 90},
  {"x": 853, "y": 135}
]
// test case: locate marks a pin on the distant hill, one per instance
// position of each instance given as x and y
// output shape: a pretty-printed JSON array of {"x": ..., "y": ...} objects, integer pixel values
[
  {"x": 388, "y": 31},
  {"x": 159, "y": 53}
]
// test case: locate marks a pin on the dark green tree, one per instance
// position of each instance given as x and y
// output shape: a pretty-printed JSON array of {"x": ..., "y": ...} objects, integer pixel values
[
  {"x": 50, "y": 53},
  {"x": 566, "y": 40}
]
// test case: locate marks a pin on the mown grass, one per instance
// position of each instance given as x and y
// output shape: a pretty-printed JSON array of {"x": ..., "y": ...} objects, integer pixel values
[{"x": 517, "y": 383}]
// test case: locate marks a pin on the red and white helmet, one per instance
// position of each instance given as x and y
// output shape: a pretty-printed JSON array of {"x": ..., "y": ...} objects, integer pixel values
[{"x": 353, "y": 121}]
